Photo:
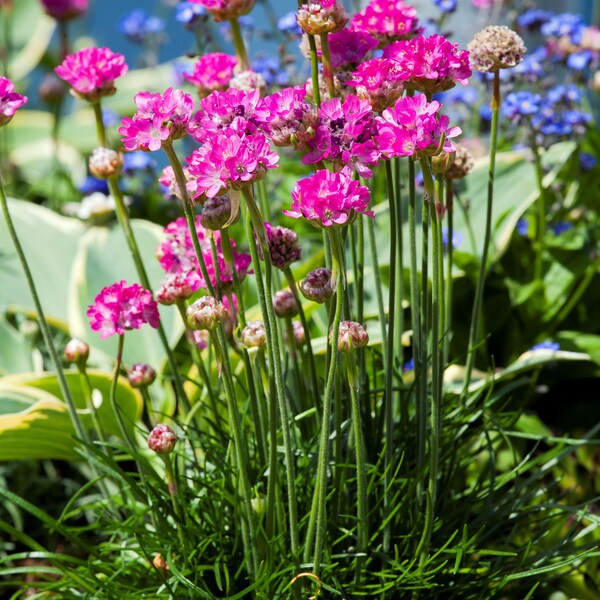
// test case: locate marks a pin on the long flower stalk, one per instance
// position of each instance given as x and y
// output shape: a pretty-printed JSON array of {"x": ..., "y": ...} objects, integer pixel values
[
  {"x": 314, "y": 69},
  {"x": 239, "y": 45},
  {"x": 327, "y": 69}
]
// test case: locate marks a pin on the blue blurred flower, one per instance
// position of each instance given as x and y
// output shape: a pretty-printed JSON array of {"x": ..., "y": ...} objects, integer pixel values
[
  {"x": 92, "y": 184},
  {"x": 446, "y": 6},
  {"x": 579, "y": 61},
  {"x": 457, "y": 239},
  {"x": 485, "y": 113},
  {"x": 409, "y": 365},
  {"x": 522, "y": 226},
  {"x": 138, "y": 161},
  {"x": 534, "y": 17},
  {"x": 288, "y": 24},
  {"x": 532, "y": 66},
  {"x": 110, "y": 117},
  {"x": 561, "y": 227},
  {"x": 270, "y": 68},
  {"x": 565, "y": 94},
  {"x": 520, "y": 104},
  {"x": 565, "y": 24},
  {"x": 190, "y": 14},
  {"x": 587, "y": 161},
  {"x": 546, "y": 345},
  {"x": 141, "y": 27}
]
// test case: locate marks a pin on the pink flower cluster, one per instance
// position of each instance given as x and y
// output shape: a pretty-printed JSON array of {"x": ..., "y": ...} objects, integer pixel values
[
  {"x": 212, "y": 72},
  {"x": 327, "y": 199},
  {"x": 344, "y": 135},
  {"x": 65, "y": 9},
  {"x": 10, "y": 101},
  {"x": 379, "y": 81},
  {"x": 414, "y": 128},
  {"x": 177, "y": 257},
  {"x": 286, "y": 118},
  {"x": 387, "y": 20},
  {"x": 224, "y": 10},
  {"x": 349, "y": 47},
  {"x": 91, "y": 72},
  {"x": 159, "y": 117},
  {"x": 120, "y": 307},
  {"x": 433, "y": 63}
]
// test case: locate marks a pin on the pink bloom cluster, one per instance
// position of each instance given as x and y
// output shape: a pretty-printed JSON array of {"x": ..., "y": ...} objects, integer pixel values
[
  {"x": 433, "y": 63},
  {"x": 120, "y": 307},
  {"x": 65, "y": 9},
  {"x": 328, "y": 199},
  {"x": 344, "y": 135},
  {"x": 379, "y": 81},
  {"x": 10, "y": 101},
  {"x": 414, "y": 128},
  {"x": 178, "y": 286},
  {"x": 212, "y": 72},
  {"x": 159, "y": 117},
  {"x": 387, "y": 20},
  {"x": 177, "y": 257},
  {"x": 91, "y": 72},
  {"x": 287, "y": 118},
  {"x": 349, "y": 47},
  {"x": 224, "y": 10}
]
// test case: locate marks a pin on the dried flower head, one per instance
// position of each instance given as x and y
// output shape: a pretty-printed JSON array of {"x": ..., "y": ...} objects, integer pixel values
[
  {"x": 317, "y": 285},
  {"x": 10, "y": 101},
  {"x": 105, "y": 163},
  {"x": 77, "y": 351},
  {"x": 141, "y": 375},
  {"x": 248, "y": 80},
  {"x": 206, "y": 313},
  {"x": 496, "y": 47},
  {"x": 162, "y": 439},
  {"x": 461, "y": 165}
]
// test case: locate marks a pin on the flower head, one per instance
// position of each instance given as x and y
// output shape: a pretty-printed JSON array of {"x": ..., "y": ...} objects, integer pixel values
[
  {"x": 461, "y": 165},
  {"x": 206, "y": 313},
  {"x": 322, "y": 16},
  {"x": 160, "y": 117},
  {"x": 329, "y": 199},
  {"x": 351, "y": 336},
  {"x": 77, "y": 351},
  {"x": 317, "y": 285},
  {"x": 10, "y": 101},
  {"x": 162, "y": 439},
  {"x": 141, "y": 375},
  {"x": 91, "y": 72},
  {"x": 216, "y": 212},
  {"x": 61, "y": 10},
  {"x": 496, "y": 47},
  {"x": 284, "y": 304},
  {"x": 387, "y": 20},
  {"x": 120, "y": 307},
  {"x": 224, "y": 10},
  {"x": 105, "y": 163},
  {"x": 284, "y": 246},
  {"x": 212, "y": 72},
  {"x": 142, "y": 28},
  {"x": 176, "y": 287},
  {"x": 254, "y": 335},
  {"x": 349, "y": 48}
]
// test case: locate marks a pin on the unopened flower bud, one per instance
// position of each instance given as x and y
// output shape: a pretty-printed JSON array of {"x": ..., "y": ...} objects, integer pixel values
[
  {"x": 284, "y": 304},
  {"x": 160, "y": 563},
  {"x": 496, "y": 47},
  {"x": 162, "y": 439},
  {"x": 316, "y": 286},
  {"x": 141, "y": 375},
  {"x": 177, "y": 286},
  {"x": 229, "y": 9},
  {"x": 62, "y": 10},
  {"x": 52, "y": 88},
  {"x": 254, "y": 335},
  {"x": 322, "y": 16},
  {"x": 461, "y": 165},
  {"x": 206, "y": 313},
  {"x": 441, "y": 163},
  {"x": 351, "y": 335},
  {"x": 77, "y": 351},
  {"x": 284, "y": 246},
  {"x": 216, "y": 212},
  {"x": 105, "y": 163},
  {"x": 299, "y": 335}
]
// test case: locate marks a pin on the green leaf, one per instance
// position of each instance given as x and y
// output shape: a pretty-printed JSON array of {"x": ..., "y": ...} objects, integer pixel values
[{"x": 15, "y": 355}]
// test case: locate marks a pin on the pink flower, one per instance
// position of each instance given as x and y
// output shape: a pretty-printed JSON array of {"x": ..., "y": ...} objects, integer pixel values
[
  {"x": 178, "y": 286},
  {"x": 162, "y": 439},
  {"x": 224, "y": 10},
  {"x": 10, "y": 101},
  {"x": 91, "y": 72},
  {"x": 177, "y": 256},
  {"x": 414, "y": 128},
  {"x": 212, "y": 72},
  {"x": 120, "y": 307},
  {"x": 160, "y": 117},
  {"x": 387, "y": 20},
  {"x": 65, "y": 9},
  {"x": 349, "y": 47},
  {"x": 379, "y": 82},
  {"x": 343, "y": 136},
  {"x": 284, "y": 247},
  {"x": 328, "y": 199},
  {"x": 322, "y": 16},
  {"x": 433, "y": 63},
  {"x": 286, "y": 117}
]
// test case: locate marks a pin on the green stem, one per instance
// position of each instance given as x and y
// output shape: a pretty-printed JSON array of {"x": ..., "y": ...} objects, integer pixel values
[
  {"x": 227, "y": 249},
  {"x": 327, "y": 69},
  {"x": 239, "y": 45},
  {"x": 314, "y": 69},
  {"x": 541, "y": 212},
  {"x": 113, "y": 396},
  {"x": 378, "y": 287},
  {"x": 173, "y": 489},
  {"x": 474, "y": 330},
  {"x": 87, "y": 392},
  {"x": 322, "y": 467},
  {"x": 450, "y": 268},
  {"x": 46, "y": 334}
]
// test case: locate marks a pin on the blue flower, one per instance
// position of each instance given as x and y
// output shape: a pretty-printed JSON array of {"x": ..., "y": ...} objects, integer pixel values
[
  {"x": 457, "y": 238},
  {"x": 409, "y": 365},
  {"x": 520, "y": 104},
  {"x": 246, "y": 25},
  {"x": 534, "y": 17},
  {"x": 566, "y": 94},
  {"x": 565, "y": 24},
  {"x": 92, "y": 184},
  {"x": 110, "y": 117},
  {"x": 141, "y": 27},
  {"x": 587, "y": 161},
  {"x": 138, "y": 161},
  {"x": 446, "y": 6},
  {"x": 546, "y": 345},
  {"x": 579, "y": 61},
  {"x": 485, "y": 113},
  {"x": 532, "y": 66},
  {"x": 561, "y": 227},
  {"x": 288, "y": 24},
  {"x": 190, "y": 14},
  {"x": 269, "y": 67},
  {"x": 523, "y": 226}
]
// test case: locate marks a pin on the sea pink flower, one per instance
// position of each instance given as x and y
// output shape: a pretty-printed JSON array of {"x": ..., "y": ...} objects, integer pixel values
[
  {"x": 177, "y": 256},
  {"x": 284, "y": 246},
  {"x": 120, "y": 307},
  {"x": 349, "y": 47},
  {"x": 178, "y": 286},
  {"x": 328, "y": 199},
  {"x": 343, "y": 136},
  {"x": 224, "y": 10},
  {"x": 414, "y": 128},
  {"x": 433, "y": 63},
  {"x": 228, "y": 160},
  {"x": 387, "y": 20},
  {"x": 379, "y": 82},
  {"x": 160, "y": 117},
  {"x": 212, "y": 72},
  {"x": 10, "y": 101},
  {"x": 322, "y": 16},
  {"x": 286, "y": 117},
  {"x": 65, "y": 9},
  {"x": 91, "y": 72},
  {"x": 162, "y": 439}
]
